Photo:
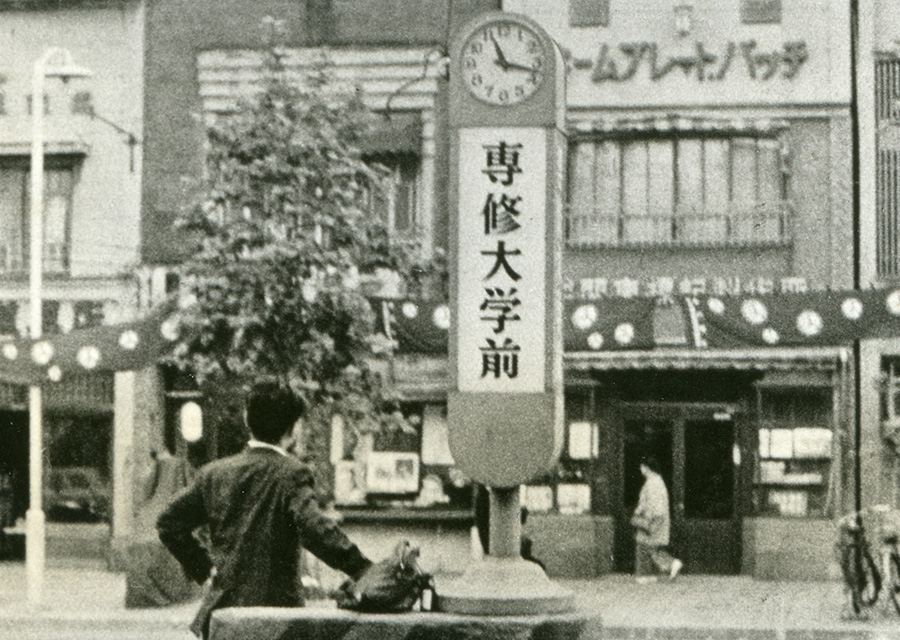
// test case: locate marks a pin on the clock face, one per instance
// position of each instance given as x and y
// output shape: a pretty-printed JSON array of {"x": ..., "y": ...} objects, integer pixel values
[{"x": 503, "y": 63}]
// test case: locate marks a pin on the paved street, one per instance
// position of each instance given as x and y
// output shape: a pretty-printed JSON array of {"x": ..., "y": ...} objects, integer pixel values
[{"x": 85, "y": 602}]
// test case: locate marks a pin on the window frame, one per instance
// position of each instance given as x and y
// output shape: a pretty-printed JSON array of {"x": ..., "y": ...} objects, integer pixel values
[
  {"x": 593, "y": 222},
  {"x": 797, "y": 471},
  {"x": 761, "y": 11},
  {"x": 589, "y": 13},
  {"x": 64, "y": 163},
  {"x": 402, "y": 169}
]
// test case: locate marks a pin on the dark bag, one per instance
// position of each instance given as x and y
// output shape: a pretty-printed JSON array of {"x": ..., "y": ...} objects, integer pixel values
[{"x": 393, "y": 585}]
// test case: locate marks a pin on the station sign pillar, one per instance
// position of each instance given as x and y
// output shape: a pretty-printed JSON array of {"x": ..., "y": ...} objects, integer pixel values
[{"x": 508, "y": 150}]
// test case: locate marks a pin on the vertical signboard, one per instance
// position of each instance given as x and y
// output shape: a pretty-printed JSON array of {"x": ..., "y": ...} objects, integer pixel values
[
  {"x": 507, "y": 112},
  {"x": 501, "y": 263}
]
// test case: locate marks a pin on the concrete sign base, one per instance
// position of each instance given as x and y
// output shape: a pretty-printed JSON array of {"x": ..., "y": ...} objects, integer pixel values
[{"x": 503, "y": 586}]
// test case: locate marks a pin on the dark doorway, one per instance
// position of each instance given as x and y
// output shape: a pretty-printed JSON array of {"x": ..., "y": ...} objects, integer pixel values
[
  {"x": 706, "y": 531},
  {"x": 14, "y": 456}
]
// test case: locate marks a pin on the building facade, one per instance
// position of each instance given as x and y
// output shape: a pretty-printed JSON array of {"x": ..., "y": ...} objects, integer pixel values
[
  {"x": 878, "y": 73},
  {"x": 200, "y": 60},
  {"x": 91, "y": 226},
  {"x": 710, "y": 157}
]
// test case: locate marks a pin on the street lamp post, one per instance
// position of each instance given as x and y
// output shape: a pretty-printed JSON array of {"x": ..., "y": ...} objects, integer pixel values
[{"x": 57, "y": 63}]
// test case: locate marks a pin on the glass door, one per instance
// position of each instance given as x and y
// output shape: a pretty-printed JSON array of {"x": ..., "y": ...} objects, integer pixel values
[
  {"x": 705, "y": 527},
  {"x": 700, "y": 464}
]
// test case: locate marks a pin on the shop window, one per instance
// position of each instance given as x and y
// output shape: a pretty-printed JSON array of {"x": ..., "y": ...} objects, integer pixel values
[
  {"x": 761, "y": 11},
  {"x": 890, "y": 396},
  {"x": 588, "y": 13},
  {"x": 78, "y": 487},
  {"x": 396, "y": 204},
  {"x": 794, "y": 458},
  {"x": 890, "y": 400},
  {"x": 59, "y": 181},
  {"x": 570, "y": 487},
  {"x": 408, "y": 467},
  {"x": 678, "y": 191}
]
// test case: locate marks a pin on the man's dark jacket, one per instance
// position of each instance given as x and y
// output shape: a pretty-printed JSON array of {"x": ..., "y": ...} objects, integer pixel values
[{"x": 261, "y": 511}]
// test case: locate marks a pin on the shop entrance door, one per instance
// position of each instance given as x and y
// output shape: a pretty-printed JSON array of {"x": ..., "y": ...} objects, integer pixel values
[
  {"x": 697, "y": 460},
  {"x": 706, "y": 531}
]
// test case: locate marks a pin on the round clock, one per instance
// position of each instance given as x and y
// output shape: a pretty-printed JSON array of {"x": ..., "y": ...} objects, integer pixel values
[{"x": 503, "y": 62}]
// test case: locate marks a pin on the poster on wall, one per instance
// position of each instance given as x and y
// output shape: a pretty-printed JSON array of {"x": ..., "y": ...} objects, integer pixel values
[
  {"x": 349, "y": 483},
  {"x": 392, "y": 472},
  {"x": 812, "y": 442},
  {"x": 573, "y": 498},
  {"x": 583, "y": 440},
  {"x": 537, "y": 498},
  {"x": 435, "y": 441}
]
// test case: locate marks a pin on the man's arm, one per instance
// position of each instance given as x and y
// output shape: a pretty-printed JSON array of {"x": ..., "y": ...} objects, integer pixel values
[
  {"x": 176, "y": 525},
  {"x": 320, "y": 534}
]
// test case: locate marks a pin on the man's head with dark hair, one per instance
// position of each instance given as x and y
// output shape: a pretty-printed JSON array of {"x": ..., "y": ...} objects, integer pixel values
[
  {"x": 651, "y": 463},
  {"x": 271, "y": 411}
]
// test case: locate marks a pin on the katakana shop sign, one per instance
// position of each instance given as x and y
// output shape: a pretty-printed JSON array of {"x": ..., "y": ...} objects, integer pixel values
[
  {"x": 501, "y": 260},
  {"x": 704, "y": 63}
]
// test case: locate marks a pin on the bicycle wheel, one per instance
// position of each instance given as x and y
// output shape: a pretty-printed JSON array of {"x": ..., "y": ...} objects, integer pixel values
[
  {"x": 893, "y": 580},
  {"x": 868, "y": 578}
]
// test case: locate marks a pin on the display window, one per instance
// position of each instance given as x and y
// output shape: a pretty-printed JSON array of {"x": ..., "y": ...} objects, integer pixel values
[
  {"x": 409, "y": 466},
  {"x": 795, "y": 450}
]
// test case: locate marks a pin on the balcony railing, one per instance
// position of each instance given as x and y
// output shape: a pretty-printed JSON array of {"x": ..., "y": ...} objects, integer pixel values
[
  {"x": 739, "y": 226},
  {"x": 13, "y": 260}
]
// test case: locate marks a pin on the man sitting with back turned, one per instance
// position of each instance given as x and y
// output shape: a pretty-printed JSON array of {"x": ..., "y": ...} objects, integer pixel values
[{"x": 261, "y": 510}]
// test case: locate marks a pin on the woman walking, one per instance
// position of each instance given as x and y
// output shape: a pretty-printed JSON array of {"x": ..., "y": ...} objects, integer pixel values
[{"x": 651, "y": 525}]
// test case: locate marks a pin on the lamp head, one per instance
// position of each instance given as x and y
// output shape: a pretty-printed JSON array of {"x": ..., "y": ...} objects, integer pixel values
[{"x": 59, "y": 63}]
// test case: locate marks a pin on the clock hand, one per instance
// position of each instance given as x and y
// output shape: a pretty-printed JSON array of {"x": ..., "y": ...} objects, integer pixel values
[
  {"x": 519, "y": 67},
  {"x": 501, "y": 59}
]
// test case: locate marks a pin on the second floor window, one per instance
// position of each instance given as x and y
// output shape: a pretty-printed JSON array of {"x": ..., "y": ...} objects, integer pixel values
[
  {"x": 396, "y": 205},
  {"x": 710, "y": 190},
  {"x": 15, "y": 209}
]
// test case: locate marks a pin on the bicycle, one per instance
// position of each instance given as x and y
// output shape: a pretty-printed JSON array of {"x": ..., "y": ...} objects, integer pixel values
[
  {"x": 892, "y": 566},
  {"x": 860, "y": 571},
  {"x": 862, "y": 574}
]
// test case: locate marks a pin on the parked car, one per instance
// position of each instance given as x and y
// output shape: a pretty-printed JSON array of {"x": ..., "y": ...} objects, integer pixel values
[{"x": 76, "y": 494}]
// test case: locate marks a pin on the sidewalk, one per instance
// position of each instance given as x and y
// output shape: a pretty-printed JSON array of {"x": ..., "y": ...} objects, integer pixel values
[
  {"x": 79, "y": 596},
  {"x": 732, "y": 607},
  {"x": 83, "y": 596}
]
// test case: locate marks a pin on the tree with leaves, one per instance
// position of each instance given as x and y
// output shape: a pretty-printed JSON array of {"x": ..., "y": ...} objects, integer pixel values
[{"x": 286, "y": 236}]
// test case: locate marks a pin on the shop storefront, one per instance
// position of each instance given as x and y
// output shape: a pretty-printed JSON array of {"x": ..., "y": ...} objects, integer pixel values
[
  {"x": 747, "y": 445},
  {"x": 751, "y": 418}
]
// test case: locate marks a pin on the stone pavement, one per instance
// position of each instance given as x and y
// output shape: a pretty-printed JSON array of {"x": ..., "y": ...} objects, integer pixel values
[{"x": 83, "y": 600}]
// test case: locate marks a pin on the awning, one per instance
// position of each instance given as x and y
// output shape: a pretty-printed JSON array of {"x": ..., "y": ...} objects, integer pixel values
[
  {"x": 120, "y": 347},
  {"x": 771, "y": 359},
  {"x": 751, "y": 323}
]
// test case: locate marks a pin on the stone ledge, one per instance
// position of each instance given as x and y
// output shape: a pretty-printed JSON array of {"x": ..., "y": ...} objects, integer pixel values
[{"x": 264, "y": 623}]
